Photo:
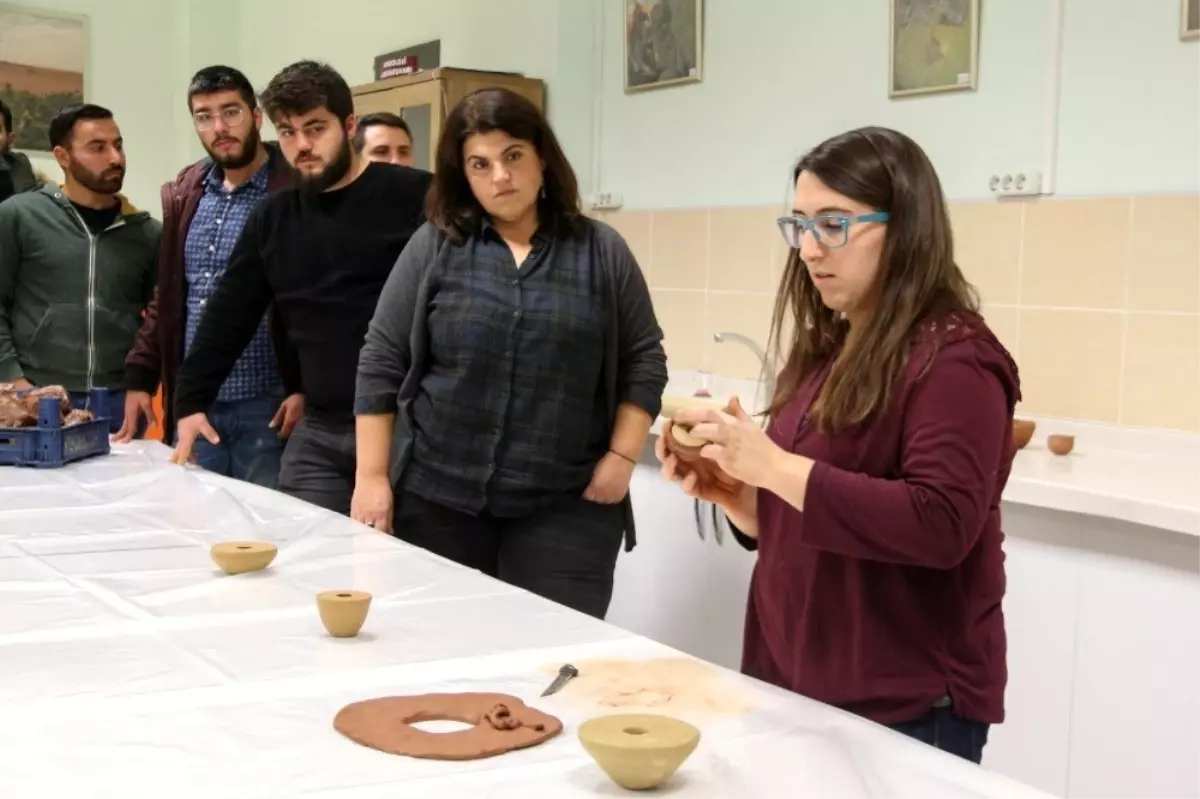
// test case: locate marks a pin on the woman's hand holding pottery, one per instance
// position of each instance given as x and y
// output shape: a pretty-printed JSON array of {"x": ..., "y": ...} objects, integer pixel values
[
  {"x": 703, "y": 478},
  {"x": 373, "y": 502},
  {"x": 610, "y": 480},
  {"x": 739, "y": 446}
]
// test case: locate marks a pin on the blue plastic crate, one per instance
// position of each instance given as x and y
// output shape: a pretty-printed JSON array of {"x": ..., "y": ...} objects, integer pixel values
[{"x": 50, "y": 445}]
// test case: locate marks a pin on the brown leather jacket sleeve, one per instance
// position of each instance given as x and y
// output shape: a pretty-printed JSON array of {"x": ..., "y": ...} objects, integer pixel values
[{"x": 143, "y": 364}]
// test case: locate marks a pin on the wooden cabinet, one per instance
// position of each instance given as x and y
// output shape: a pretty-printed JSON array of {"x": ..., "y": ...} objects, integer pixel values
[{"x": 423, "y": 100}]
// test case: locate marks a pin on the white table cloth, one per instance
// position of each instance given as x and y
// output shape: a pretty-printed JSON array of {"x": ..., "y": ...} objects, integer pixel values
[{"x": 131, "y": 667}]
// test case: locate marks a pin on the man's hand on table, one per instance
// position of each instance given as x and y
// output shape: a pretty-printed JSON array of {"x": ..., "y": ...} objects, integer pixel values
[
  {"x": 138, "y": 404},
  {"x": 21, "y": 384},
  {"x": 373, "y": 503},
  {"x": 191, "y": 428}
]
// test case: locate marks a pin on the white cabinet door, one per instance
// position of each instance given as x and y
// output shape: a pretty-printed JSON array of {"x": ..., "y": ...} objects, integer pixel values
[
  {"x": 661, "y": 588},
  {"x": 687, "y": 592},
  {"x": 729, "y": 569}
]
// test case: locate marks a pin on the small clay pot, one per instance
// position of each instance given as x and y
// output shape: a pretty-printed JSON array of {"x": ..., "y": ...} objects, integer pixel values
[
  {"x": 239, "y": 557},
  {"x": 1060, "y": 445},
  {"x": 672, "y": 405},
  {"x": 686, "y": 447},
  {"x": 1022, "y": 431},
  {"x": 343, "y": 612},
  {"x": 638, "y": 752}
]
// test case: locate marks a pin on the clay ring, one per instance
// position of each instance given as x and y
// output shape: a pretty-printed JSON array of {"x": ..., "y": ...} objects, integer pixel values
[{"x": 498, "y": 723}]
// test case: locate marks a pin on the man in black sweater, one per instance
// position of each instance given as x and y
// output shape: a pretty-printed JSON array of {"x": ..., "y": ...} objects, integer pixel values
[{"x": 321, "y": 251}]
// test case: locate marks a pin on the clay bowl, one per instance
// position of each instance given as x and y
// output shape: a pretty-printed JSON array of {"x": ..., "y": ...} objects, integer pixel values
[
  {"x": 343, "y": 612},
  {"x": 1060, "y": 445},
  {"x": 686, "y": 447},
  {"x": 239, "y": 557},
  {"x": 637, "y": 751},
  {"x": 1022, "y": 430},
  {"x": 672, "y": 405}
]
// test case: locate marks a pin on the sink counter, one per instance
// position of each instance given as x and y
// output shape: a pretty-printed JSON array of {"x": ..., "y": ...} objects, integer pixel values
[{"x": 1145, "y": 477}]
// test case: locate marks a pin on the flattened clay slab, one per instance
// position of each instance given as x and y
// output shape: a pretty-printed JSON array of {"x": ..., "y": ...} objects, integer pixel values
[
  {"x": 501, "y": 723},
  {"x": 676, "y": 685}
]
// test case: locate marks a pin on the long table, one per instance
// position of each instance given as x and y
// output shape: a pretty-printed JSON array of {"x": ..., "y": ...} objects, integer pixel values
[{"x": 131, "y": 667}]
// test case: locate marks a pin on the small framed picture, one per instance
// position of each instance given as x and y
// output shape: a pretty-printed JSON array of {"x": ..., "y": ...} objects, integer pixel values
[
  {"x": 663, "y": 43},
  {"x": 933, "y": 46},
  {"x": 1189, "y": 19}
]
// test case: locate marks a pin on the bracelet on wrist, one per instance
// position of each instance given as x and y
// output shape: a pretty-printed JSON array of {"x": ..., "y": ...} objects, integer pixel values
[{"x": 623, "y": 457}]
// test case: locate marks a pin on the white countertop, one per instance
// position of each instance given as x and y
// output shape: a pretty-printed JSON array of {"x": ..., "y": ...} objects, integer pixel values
[
  {"x": 130, "y": 667},
  {"x": 1140, "y": 476}
]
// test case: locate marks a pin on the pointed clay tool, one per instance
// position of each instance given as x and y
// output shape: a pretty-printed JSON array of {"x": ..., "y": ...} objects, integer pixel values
[{"x": 564, "y": 674}]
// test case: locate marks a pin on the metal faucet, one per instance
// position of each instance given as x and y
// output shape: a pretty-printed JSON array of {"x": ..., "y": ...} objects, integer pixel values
[{"x": 765, "y": 376}]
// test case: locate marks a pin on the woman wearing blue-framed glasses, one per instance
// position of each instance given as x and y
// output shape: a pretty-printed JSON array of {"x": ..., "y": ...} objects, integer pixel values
[{"x": 873, "y": 497}]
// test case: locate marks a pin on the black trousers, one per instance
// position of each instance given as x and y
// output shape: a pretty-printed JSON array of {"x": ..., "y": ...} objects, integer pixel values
[
  {"x": 319, "y": 461},
  {"x": 566, "y": 553}
]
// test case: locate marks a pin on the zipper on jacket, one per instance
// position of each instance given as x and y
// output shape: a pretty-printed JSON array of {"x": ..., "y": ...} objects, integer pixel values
[{"x": 91, "y": 295}]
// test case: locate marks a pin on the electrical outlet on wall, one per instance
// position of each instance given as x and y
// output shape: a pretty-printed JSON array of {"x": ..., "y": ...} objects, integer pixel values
[
  {"x": 1016, "y": 184},
  {"x": 604, "y": 201}
]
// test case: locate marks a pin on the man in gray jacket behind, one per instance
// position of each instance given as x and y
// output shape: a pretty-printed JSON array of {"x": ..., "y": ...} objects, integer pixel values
[{"x": 77, "y": 267}]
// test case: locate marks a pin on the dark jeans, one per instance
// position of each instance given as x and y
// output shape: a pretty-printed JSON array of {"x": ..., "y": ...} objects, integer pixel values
[
  {"x": 249, "y": 450},
  {"x": 566, "y": 553},
  {"x": 114, "y": 409},
  {"x": 948, "y": 732},
  {"x": 318, "y": 462}
]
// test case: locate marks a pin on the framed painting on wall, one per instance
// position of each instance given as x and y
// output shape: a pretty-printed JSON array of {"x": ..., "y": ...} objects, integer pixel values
[
  {"x": 1189, "y": 19},
  {"x": 933, "y": 46},
  {"x": 42, "y": 68},
  {"x": 663, "y": 43}
]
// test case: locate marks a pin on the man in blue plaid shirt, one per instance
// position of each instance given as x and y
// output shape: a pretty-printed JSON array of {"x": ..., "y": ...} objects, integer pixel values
[{"x": 205, "y": 210}]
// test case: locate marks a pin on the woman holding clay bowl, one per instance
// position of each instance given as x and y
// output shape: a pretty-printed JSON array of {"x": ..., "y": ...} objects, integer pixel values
[{"x": 873, "y": 497}]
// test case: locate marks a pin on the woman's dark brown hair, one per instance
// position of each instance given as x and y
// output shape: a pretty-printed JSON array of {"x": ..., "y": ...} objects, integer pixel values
[
  {"x": 917, "y": 280},
  {"x": 452, "y": 207}
]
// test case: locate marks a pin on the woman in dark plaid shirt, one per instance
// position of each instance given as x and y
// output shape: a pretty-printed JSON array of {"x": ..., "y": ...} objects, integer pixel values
[{"x": 516, "y": 356}]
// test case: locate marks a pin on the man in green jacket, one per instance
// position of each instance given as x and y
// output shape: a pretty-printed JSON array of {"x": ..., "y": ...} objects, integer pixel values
[
  {"x": 77, "y": 267},
  {"x": 16, "y": 173}
]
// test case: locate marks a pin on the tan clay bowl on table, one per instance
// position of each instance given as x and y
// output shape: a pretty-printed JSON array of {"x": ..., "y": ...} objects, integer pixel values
[
  {"x": 638, "y": 751},
  {"x": 343, "y": 612},
  {"x": 239, "y": 557}
]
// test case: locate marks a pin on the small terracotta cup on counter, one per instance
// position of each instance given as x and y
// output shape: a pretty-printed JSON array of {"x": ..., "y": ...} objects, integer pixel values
[
  {"x": 1022, "y": 430},
  {"x": 1060, "y": 445}
]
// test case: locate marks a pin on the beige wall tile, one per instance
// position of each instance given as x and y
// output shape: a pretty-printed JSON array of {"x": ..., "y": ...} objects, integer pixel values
[
  {"x": 1003, "y": 321},
  {"x": 719, "y": 269},
  {"x": 987, "y": 245},
  {"x": 1074, "y": 253},
  {"x": 1070, "y": 363},
  {"x": 741, "y": 246},
  {"x": 1161, "y": 385},
  {"x": 679, "y": 249},
  {"x": 634, "y": 227},
  {"x": 681, "y": 317},
  {"x": 779, "y": 255},
  {"x": 1164, "y": 254},
  {"x": 748, "y": 314}
]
